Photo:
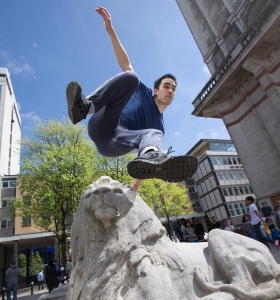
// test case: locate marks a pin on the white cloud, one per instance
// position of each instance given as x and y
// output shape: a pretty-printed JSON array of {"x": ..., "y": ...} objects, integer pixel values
[
  {"x": 35, "y": 45},
  {"x": 16, "y": 67},
  {"x": 31, "y": 116}
]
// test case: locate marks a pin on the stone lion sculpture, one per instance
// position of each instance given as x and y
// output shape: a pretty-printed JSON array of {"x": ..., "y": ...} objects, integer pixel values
[{"x": 120, "y": 250}]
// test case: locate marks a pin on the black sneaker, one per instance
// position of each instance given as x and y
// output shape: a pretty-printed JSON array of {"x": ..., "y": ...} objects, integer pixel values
[
  {"x": 77, "y": 107},
  {"x": 159, "y": 165}
]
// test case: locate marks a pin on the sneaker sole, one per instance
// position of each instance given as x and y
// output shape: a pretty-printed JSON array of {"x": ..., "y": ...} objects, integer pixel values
[
  {"x": 173, "y": 169},
  {"x": 73, "y": 89}
]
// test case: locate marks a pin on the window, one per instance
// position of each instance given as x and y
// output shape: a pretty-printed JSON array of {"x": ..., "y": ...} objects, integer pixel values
[
  {"x": 219, "y": 161},
  {"x": 231, "y": 210},
  {"x": 225, "y": 192},
  {"x": 5, "y": 202},
  {"x": 247, "y": 190},
  {"x": 6, "y": 224},
  {"x": 231, "y": 192},
  {"x": 219, "y": 175},
  {"x": 229, "y": 161},
  {"x": 26, "y": 222},
  {"x": 241, "y": 190},
  {"x": 237, "y": 209},
  {"x": 236, "y": 191},
  {"x": 224, "y": 161},
  {"x": 192, "y": 189},
  {"x": 230, "y": 176},
  {"x": 235, "y": 175},
  {"x": 9, "y": 184},
  {"x": 26, "y": 200},
  {"x": 213, "y": 160}
]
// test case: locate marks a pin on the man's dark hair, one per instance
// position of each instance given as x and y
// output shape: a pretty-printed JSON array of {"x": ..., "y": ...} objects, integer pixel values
[
  {"x": 158, "y": 81},
  {"x": 250, "y": 198}
]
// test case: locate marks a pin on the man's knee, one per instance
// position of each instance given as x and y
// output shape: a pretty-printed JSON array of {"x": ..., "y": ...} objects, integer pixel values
[{"x": 132, "y": 77}]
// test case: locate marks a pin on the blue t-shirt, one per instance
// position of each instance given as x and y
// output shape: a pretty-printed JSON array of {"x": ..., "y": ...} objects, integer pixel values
[{"x": 141, "y": 111}]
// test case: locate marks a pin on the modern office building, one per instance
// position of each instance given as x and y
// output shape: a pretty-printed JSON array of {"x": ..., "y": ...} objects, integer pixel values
[
  {"x": 220, "y": 183},
  {"x": 19, "y": 234},
  {"x": 10, "y": 133},
  {"x": 240, "y": 43}
]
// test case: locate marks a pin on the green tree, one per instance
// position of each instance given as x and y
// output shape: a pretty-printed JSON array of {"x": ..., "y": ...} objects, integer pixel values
[
  {"x": 165, "y": 198},
  {"x": 57, "y": 164},
  {"x": 115, "y": 167},
  {"x": 22, "y": 261},
  {"x": 36, "y": 263}
]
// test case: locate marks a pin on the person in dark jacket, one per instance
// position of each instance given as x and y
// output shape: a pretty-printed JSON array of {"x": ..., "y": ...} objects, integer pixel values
[
  {"x": 12, "y": 279},
  {"x": 52, "y": 280},
  {"x": 198, "y": 228}
]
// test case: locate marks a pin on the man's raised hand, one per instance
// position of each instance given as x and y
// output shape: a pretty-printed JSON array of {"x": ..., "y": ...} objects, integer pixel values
[{"x": 102, "y": 11}]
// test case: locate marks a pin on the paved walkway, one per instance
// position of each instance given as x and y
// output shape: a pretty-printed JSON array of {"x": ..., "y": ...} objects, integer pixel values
[{"x": 25, "y": 294}]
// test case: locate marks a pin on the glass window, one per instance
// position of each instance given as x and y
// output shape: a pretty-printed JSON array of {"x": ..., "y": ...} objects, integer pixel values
[
  {"x": 236, "y": 191},
  {"x": 27, "y": 200},
  {"x": 235, "y": 175},
  {"x": 3, "y": 224},
  {"x": 225, "y": 176},
  {"x": 237, "y": 209},
  {"x": 219, "y": 175},
  {"x": 224, "y": 161},
  {"x": 213, "y": 160},
  {"x": 235, "y": 162},
  {"x": 11, "y": 223},
  {"x": 26, "y": 222},
  {"x": 5, "y": 184},
  {"x": 219, "y": 161},
  {"x": 9, "y": 184},
  {"x": 241, "y": 190},
  {"x": 230, "y": 176},
  {"x": 247, "y": 190},
  {"x": 251, "y": 190},
  {"x": 12, "y": 183},
  {"x": 231, "y": 192},
  {"x": 225, "y": 192},
  {"x": 229, "y": 161}
]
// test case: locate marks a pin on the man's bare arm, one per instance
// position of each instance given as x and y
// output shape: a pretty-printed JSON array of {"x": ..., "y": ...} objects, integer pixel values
[{"x": 119, "y": 50}]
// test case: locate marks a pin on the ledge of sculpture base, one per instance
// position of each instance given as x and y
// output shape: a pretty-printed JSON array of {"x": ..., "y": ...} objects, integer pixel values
[
  {"x": 120, "y": 251},
  {"x": 56, "y": 294}
]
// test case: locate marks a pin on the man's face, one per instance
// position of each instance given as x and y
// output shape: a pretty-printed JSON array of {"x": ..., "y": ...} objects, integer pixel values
[
  {"x": 214, "y": 219},
  {"x": 166, "y": 92}
]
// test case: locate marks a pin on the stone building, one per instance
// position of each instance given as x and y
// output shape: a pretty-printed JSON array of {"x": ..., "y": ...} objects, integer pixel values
[{"x": 239, "y": 41}]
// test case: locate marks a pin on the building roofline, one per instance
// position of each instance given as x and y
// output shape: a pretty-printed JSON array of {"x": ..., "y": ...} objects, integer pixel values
[{"x": 202, "y": 142}]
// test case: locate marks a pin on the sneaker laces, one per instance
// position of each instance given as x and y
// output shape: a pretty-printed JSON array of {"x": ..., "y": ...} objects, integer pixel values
[{"x": 169, "y": 150}]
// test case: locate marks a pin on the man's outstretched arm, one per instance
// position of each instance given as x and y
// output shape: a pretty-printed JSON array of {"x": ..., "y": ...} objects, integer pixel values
[{"x": 120, "y": 52}]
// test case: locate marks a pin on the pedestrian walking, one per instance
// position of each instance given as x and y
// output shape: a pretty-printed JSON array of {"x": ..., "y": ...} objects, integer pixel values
[
  {"x": 40, "y": 279},
  {"x": 12, "y": 279}
]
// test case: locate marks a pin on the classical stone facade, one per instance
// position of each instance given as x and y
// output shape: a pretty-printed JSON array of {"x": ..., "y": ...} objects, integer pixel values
[{"x": 242, "y": 52}]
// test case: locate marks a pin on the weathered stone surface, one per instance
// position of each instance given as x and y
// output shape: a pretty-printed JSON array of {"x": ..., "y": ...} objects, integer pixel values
[
  {"x": 56, "y": 294},
  {"x": 121, "y": 251}
]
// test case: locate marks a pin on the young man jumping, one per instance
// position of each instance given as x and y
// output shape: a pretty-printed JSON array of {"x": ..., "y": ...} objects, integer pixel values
[{"x": 127, "y": 117}]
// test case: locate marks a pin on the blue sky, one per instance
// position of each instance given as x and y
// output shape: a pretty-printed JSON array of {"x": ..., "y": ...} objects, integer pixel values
[{"x": 46, "y": 44}]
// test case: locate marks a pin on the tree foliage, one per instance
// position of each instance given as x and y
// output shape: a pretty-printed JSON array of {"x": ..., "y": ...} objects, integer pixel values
[
  {"x": 57, "y": 164},
  {"x": 115, "y": 167},
  {"x": 36, "y": 263},
  {"x": 22, "y": 261},
  {"x": 165, "y": 198}
]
